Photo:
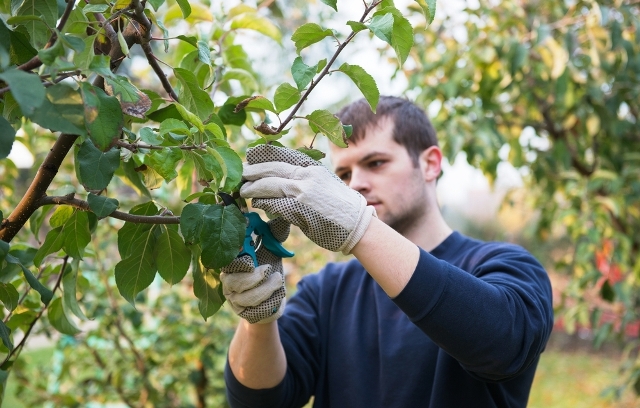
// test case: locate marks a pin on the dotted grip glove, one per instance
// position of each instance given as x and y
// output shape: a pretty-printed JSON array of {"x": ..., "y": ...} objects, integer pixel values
[
  {"x": 257, "y": 294},
  {"x": 290, "y": 184}
]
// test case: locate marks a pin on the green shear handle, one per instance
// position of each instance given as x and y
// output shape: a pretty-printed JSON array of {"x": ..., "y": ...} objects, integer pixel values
[{"x": 256, "y": 227}]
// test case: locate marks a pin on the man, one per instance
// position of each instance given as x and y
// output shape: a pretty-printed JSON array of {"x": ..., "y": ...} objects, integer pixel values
[{"x": 423, "y": 317}]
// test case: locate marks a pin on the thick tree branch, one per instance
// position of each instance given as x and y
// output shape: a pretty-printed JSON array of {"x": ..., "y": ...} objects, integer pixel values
[
  {"x": 83, "y": 205},
  {"x": 38, "y": 187}
]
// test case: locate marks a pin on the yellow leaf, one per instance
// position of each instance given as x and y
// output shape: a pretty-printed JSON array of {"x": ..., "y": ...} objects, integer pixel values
[
  {"x": 199, "y": 13},
  {"x": 593, "y": 125}
]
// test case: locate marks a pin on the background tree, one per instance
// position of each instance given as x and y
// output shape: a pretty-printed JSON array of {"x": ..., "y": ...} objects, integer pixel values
[
  {"x": 136, "y": 112},
  {"x": 553, "y": 88}
]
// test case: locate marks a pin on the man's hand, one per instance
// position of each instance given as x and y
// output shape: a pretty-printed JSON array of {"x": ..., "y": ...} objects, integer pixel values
[
  {"x": 290, "y": 184},
  {"x": 257, "y": 294}
]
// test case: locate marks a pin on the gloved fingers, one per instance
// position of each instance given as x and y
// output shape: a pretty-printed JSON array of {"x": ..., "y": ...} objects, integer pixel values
[
  {"x": 240, "y": 282},
  {"x": 269, "y": 153},
  {"x": 243, "y": 264},
  {"x": 280, "y": 228},
  {"x": 267, "y": 311},
  {"x": 279, "y": 310},
  {"x": 257, "y": 171},
  {"x": 258, "y": 294},
  {"x": 271, "y": 187}
]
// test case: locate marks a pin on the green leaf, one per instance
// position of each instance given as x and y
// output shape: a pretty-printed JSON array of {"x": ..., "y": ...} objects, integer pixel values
[
  {"x": 258, "y": 102},
  {"x": 9, "y": 295},
  {"x": 348, "y": 130},
  {"x": 26, "y": 88},
  {"x": 331, "y": 3},
  {"x": 255, "y": 22},
  {"x": 152, "y": 179},
  {"x": 191, "y": 222},
  {"x": 194, "y": 98},
  {"x": 59, "y": 319},
  {"x": 52, "y": 243},
  {"x": 173, "y": 256},
  {"x": 4, "y": 250},
  {"x": 45, "y": 294},
  {"x": 149, "y": 136},
  {"x": 69, "y": 287},
  {"x": 315, "y": 154},
  {"x": 97, "y": 168},
  {"x": 165, "y": 162},
  {"x": 382, "y": 27},
  {"x": 61, "y": 111},
  {"x": 222, "y": 235},
  {"x": 5, "y": 335},
  {"x": 190, "y": 117},
  {"x": 308, "y": 34},
  {"x": 356, "y": 26},
  {"x": 184, "y": 7},
  {"x": 302, "y": 73},
  {"x": 204, "y": 53},
  {"x": 60, "y": 216},
  {"x": 130, "y": 230},
  {"x": 133, "y": 102},
  {"x": 245, "y": 78},
  {"x": 39, "y": 29},
  {"x": 48, "y": 55},
  {"x": 83, "y": 59},
  {"x": 285, "y": 97},
  {"x": 102, "y": 206},
  {"x": 207, "y": 288},
  {"x": 102, "y": 114},
  {"x": 37, "y": 219},
  {"x": 364, "y": 82},
  {"x": 428, "y": 9},
  {"x": 131, "y": 177},
  {"x": 231, "y": 165},
  {"x": 329, "y": 125},
  {"x": 7, "y": 137},
  {"x": 402, "y": 37},
  {"x": 95, "y": 8},
  {"x": 228, "y": 116},
  {"x": 136, "y": 272},
  {"x": 76, "y": 234}
]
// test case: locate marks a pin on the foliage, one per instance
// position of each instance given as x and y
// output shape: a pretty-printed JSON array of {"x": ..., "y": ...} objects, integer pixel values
[
  {"x": 554, "y": 89},
  {"x": 132, "y": 109}
]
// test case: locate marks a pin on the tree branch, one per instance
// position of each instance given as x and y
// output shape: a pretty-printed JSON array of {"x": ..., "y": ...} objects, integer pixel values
[
  {"x": 145, "y": 43},
  {"x": 83, "y": 205},
  {"x": 35, "y": 61},
  {"x": 326, "y": 69},
  {"x": 18, "y": 349},
  {"x": 38, "y": 187},
  {"x": 134, "y": 147}
]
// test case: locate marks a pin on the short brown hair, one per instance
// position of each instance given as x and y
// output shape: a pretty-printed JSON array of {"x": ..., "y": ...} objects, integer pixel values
[{"x": 411, "y": 126}]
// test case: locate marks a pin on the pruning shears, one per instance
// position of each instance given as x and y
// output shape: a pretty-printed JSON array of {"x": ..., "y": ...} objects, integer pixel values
[{"x": 256, "y": 234}]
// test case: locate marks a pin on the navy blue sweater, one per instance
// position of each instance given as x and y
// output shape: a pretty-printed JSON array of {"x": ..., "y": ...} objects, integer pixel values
[{"x": 466, "y": 331}]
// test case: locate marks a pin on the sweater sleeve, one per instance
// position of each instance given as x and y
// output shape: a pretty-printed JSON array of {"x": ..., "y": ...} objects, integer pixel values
[
  {"x": 495, "y": 319},
  {"x": 300, "y": 337}
]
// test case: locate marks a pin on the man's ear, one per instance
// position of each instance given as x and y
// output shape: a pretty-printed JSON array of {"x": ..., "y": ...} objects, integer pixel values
[{"x": 430, "y": 161}]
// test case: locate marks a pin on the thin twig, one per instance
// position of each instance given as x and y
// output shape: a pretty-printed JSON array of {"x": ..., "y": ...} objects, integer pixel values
[
  {"x": 35, "y": 61},
  {"x": 20, "y": 346},
  {"x": 83, "y": 205},
  {"x": 134, "y": 147},
  {"x": 326, "y": 69}
]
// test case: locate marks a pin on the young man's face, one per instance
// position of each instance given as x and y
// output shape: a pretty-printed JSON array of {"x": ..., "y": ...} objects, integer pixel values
[{"x": 383, "y": 172}]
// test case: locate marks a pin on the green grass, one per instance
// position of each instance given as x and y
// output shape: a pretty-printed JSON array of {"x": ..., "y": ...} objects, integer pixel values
[
  {"x": 576, "y": 379},
  {"x": 565, "y": 379}
]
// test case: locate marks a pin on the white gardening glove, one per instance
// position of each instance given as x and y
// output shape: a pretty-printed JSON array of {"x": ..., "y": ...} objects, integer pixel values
[
  {"x": 257, "y": 294},
  {"x": 290, "y": 184}
]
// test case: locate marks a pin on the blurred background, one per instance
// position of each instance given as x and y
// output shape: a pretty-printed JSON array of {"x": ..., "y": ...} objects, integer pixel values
[{"x": 536, "y": 104}]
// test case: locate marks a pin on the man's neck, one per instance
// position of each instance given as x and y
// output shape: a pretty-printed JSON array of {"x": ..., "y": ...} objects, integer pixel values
[{"x": 430, "y": 232}]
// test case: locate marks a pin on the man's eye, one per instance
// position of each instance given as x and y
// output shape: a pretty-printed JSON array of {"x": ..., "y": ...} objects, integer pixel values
[
  {"x": 344, "y": 176},
  {"x": 376, "y": 163}
]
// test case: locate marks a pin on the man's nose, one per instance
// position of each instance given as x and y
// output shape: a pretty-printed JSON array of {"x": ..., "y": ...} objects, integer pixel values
[{"x": 359, "y": 181}]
